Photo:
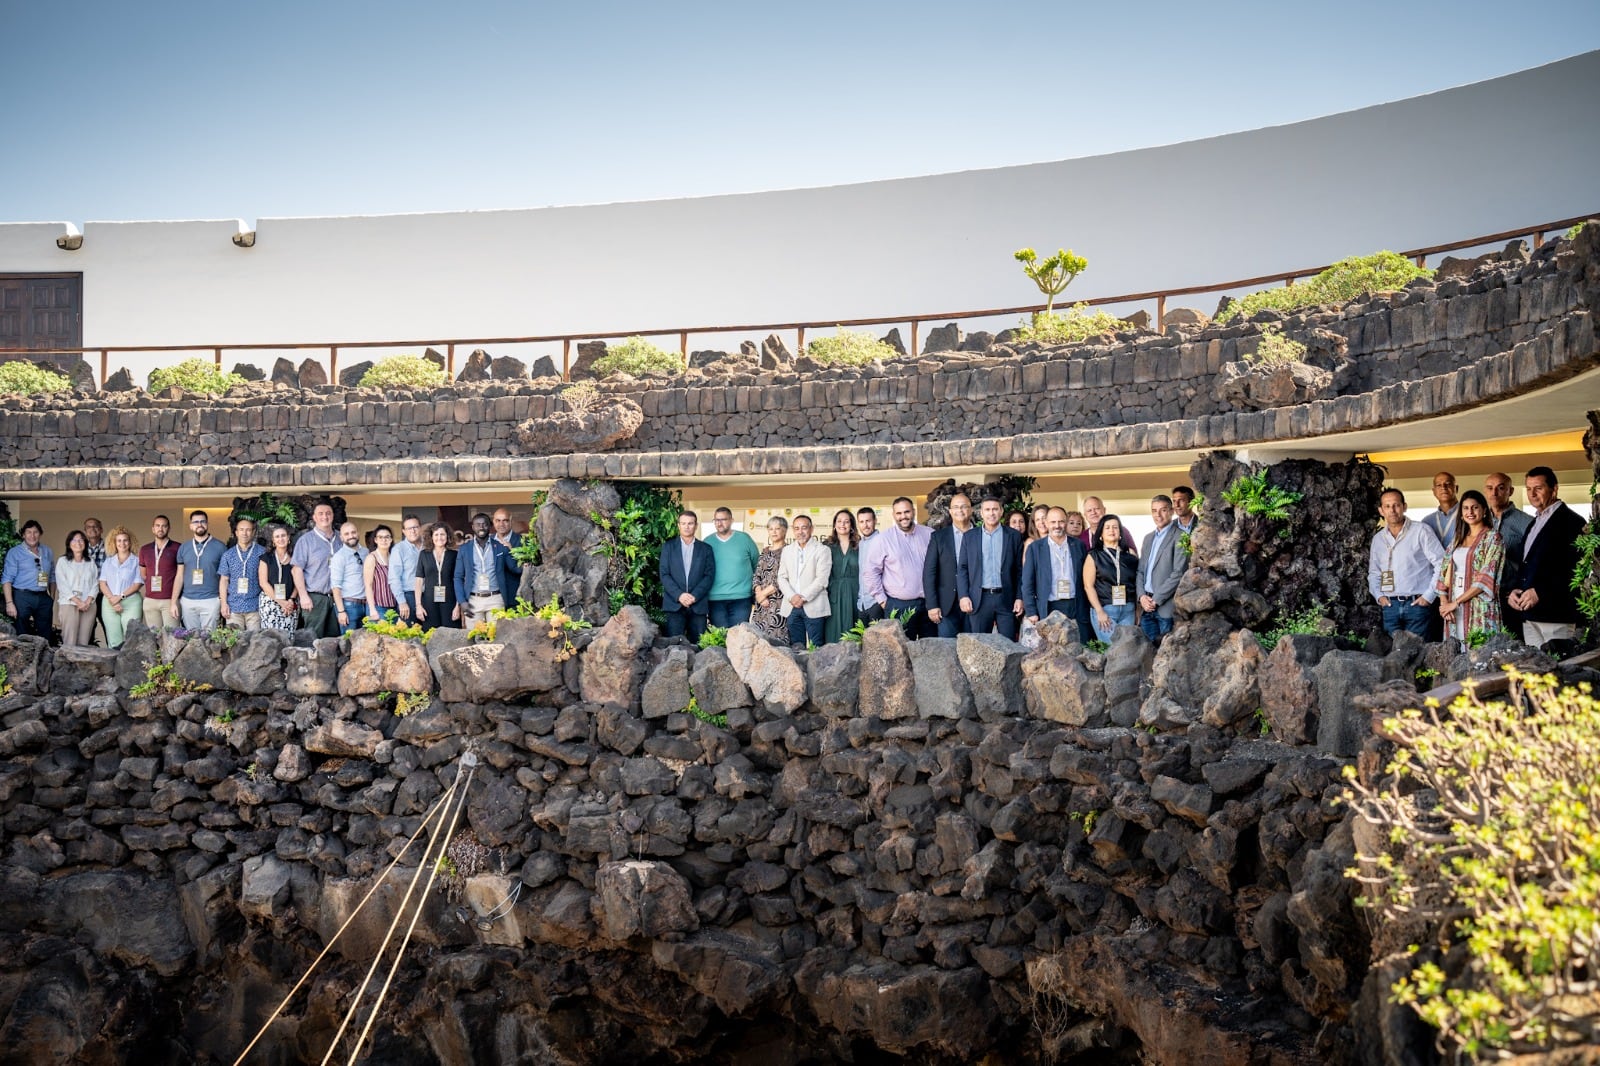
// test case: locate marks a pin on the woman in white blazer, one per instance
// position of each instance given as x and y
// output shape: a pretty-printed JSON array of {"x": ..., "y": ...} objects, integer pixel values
[{"x": 803, "y": 572}]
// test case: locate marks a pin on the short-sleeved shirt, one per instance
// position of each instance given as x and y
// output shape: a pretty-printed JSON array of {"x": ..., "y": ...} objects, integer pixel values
[
  {"x": 311, "y": 554},
  {"x": 203, "y": 559},
  {"x": 161, "y": 572},
  {"x": 243, "y": 566},
  {"x": 345, "y": 573},
  {"x": 120, "y": 577}
]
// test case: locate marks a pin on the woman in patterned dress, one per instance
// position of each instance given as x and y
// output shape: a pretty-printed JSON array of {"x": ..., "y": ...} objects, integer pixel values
[
  {"x": 766, "y": 615},
  {"x": 1469, "y": 575}
]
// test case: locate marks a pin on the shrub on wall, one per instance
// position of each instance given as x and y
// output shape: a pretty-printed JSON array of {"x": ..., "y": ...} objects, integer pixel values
[
  {"x": 1076, "y": 326},
  {"x": 849, "y": 347},
  {"x": 21, "y": 376},
  {"x": 403, "y": 371},
  {"x": 647, "y": 519},
  {"x": 1275, "y": 348},
  {"x": 638, "y": 357},
  {"x": 193, "y": 375},
  {"x": 1345, "y": 280}
]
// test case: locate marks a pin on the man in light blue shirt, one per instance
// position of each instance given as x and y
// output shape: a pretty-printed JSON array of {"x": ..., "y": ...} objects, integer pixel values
[
  {"x": 1442, "y": 520},
  {"x": 240, "y": 577},
  {"x": 29, "y": 580},
  {"x": 346, "y": 581},
  {"x": 403, "y": 567},
  {"x": 194, "y": 592}
]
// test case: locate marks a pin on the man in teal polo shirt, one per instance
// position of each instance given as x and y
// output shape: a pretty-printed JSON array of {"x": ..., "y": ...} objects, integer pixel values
[{"x": 733, "y": 592}]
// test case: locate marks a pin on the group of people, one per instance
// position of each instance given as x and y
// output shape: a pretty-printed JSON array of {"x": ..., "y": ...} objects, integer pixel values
[
  {"x": 984, "y": 572},
  {"x": 325, "y": 580},
  {"x": 1479, "y": 563}
]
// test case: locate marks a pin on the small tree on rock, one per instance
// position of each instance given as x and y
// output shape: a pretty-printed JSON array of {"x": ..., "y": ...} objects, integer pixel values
[{"x": 1052, "y": 275}]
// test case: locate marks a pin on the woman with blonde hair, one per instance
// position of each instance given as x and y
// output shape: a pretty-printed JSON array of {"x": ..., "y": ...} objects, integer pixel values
[{"x": 121, "y": 586}]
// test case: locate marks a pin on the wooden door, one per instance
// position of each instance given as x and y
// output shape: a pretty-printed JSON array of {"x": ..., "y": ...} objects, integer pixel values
[{"x": 42, "y": 311}]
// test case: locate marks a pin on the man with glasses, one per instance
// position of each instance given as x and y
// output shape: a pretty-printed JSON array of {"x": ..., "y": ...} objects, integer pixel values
[
  {"x": 403, "y": 567},
  {"x": 194, "y": 592}
]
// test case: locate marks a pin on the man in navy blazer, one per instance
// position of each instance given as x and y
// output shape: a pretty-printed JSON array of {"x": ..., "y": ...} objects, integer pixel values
[
  {"x": 688, "y": 570},
  {"x": 940, "y": 565},
  {"x": 485, "y": 572},
  {"x": 989, "y": 576},
  {"x": 1052, "y": 576}
]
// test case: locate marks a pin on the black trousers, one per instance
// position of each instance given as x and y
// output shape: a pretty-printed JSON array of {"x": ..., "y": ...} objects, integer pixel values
[
  {"x": 917, "y": 625},
  {"x": 684, "y": 622},
  {"x": 992, "y": 612},
  {"x": 33, "y": 613}
]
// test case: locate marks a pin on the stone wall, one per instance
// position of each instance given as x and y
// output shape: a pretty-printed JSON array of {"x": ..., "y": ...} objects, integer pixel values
[{"x": 1499, "y": 327}]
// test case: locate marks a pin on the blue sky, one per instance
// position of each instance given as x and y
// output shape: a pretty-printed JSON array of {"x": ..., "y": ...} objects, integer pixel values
[{"x": 226, "y": 109}]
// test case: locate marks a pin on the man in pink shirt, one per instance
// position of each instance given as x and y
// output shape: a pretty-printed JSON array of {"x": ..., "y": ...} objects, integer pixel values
[{"x": 891, "y": 567}]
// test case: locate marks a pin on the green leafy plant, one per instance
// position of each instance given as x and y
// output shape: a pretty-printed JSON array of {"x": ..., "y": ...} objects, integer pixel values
[
  {"x": 9, "y": 538},
  {"x": 1086, "y": 819},
  {"x": 1484, "y": 848},
  {"x": 850, "y": 348},
  {"x": 1263, "y": 723},
  {"x": 404, "y": 372},
  {"x": 1426, "y": 674},
  {"x": 1186, "y": 537},
  {"x": 1344, "y": 280},
  {"x": 1275, "y": 349},
  {"x": 1585, "y": 578},
  {"x": 250, "y": 771},
  {"x": 693, "y": 709},
  {"x": 638, "y": 357},
  {"x": 268, "y": 510},
  {"x": 28, "y": 379},
  {"x": 225, "y": 636},
  {"x": 5, "y": 682},
  {"x": 646, "y": 519},
  {"x": 391, "y": 626},
  {"x": 854, "y": 634},
  {"x": 714, "y": 637},
  {"x": 194, "y": 375},
  {"x": 407, "y": 702},
  {"x": 161, "y": 677},
  {"x": 1307, "y": 620},
  {"x": 1097, "y": 646},
  {"x": 1575, "y": 230},
  {"x": 1076, "y": 326},
  {"x": 1051, "y": 275},
  {"x": 1252, "y": 495},
  {"x": 1479, "y": 637}
]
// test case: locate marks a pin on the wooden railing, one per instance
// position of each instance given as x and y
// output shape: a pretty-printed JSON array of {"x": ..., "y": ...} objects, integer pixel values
[{"x": 1535, "y": 234}]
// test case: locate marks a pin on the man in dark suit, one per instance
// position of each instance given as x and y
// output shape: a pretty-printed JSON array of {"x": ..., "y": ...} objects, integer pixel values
[
  {"x": 688, "y": 570},
  {"x": 1161, "y": 565},
  {"x": 503, "y": 531},
  {"x": 989, "y": 575},
  {"x": 1543, "y": 592},
  {"x": 939, "y": 568},
  {"x": 1052, "y": 576}
]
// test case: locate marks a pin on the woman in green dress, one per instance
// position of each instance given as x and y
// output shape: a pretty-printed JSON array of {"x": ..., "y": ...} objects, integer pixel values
[{"x": 845, "y": 583}]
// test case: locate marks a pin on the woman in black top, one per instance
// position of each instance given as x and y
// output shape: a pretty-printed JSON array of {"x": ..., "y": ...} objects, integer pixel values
[
  {"x": 436, "y": 582},
  {"x": 276, "y": 573},
  {"x": 1109, "y": 576}
]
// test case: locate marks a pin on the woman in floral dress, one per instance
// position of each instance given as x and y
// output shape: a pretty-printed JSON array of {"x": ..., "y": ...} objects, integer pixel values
[
  {"x": 1469, "y": 575},
  {"x": 766, "y": 615}
]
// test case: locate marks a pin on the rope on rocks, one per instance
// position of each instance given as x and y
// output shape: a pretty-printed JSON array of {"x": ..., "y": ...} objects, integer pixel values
[
  {"x": 438, "y": 807},
  {"x": 469, "y": 761}
]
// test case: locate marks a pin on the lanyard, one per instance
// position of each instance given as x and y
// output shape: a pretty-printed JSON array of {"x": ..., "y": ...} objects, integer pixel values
[
  {"x": 1394, "y": 542},
  {"x": 198, "y": 546},
  {"x": 1062, "y": 556},
  {"x": 483, "y": 556},
  {"x": 244, "y": 560}
]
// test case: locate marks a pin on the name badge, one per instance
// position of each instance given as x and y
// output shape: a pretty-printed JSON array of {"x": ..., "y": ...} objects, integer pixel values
[
  {"x": 483, "y": 583},
  {"x": 1119, "y": 595},
  {"x": 438, "y": 594},
  {"x": 199, "y": 579},
  {"x": 241, "y": 586},
  {"x": 1063, "y": 589},
  {"x": 1386, "y": 581},
  {"x": 280, "y": 591},
  {"x": 155, "y": 582},
  {"x": 44, "y": 579}
]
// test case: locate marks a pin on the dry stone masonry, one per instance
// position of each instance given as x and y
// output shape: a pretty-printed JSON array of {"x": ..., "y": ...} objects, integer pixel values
[{"x": 1485, "y": 329}]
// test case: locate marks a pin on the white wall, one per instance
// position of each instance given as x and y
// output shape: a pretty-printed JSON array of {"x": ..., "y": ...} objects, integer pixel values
[{"x": 1476, "y": 159}]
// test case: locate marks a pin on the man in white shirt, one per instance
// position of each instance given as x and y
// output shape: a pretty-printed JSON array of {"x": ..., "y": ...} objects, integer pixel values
[
  {"x": 1402, "y": 568},
  {"x": 803, "y": 572}
]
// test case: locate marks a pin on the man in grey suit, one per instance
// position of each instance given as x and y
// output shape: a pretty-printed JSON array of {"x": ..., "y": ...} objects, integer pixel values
[{"x": 1161, "y": 564}]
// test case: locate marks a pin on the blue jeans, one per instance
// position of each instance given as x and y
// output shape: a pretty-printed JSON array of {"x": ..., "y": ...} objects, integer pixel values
[
  {"x": 1119, "y": 616},
  {"x": 354, "y": 612},
  {"x": 951, "y": 623},
  {"x": 729, "y": 613},
  {"x": 1155, "y": 627},
  {"x": 685, "y": 623},
  {"x": 803, "y": 630},
  {"x": 1408, "y": 616}
]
